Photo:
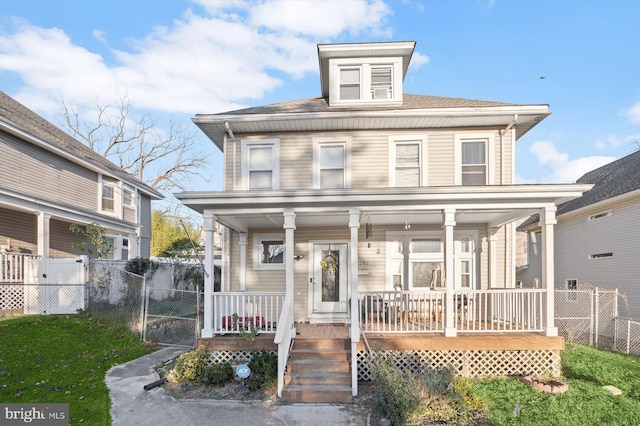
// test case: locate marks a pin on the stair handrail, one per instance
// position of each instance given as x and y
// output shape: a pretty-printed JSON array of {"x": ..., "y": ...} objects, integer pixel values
[{"x": 284, "y": 335}]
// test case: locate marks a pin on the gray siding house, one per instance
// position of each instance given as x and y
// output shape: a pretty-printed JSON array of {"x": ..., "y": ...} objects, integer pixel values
[
  {"x": 597, "y": 238},
  {"x": 49, "y": 180},
  {"x": 377, "y": 211}
]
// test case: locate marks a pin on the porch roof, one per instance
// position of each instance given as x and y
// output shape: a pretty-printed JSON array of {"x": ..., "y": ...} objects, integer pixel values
[{"x": 489, "y": 205}]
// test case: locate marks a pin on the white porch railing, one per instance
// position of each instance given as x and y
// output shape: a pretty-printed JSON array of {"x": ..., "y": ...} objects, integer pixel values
[
  {"x": 283, "y": 338},
  {"x": 496, "y": 310},
  {"x": 402, "y": 311},
  {"x": 236, "y": 312},
  {"x": 12, "y": 267},
  {"x": 503, "y": 310}
]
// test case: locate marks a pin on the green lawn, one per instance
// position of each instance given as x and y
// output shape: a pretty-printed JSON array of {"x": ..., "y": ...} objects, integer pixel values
[
  {"x": 586, "y": 371},
  {"x": 63, "y": 358}
]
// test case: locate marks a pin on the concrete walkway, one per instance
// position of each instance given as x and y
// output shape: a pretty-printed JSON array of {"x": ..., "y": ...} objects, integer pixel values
[{"x": 132, "y": 405}]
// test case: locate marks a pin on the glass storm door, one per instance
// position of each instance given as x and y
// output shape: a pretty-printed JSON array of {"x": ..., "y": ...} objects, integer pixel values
[{"x": 330, "y": 279}]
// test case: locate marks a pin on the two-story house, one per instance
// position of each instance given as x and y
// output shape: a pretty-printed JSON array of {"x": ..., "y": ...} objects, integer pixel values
[
  {"x": 387, "y": 212},
  {"x": 596, "y": 239},
  {"x": 49, "y": 180}
]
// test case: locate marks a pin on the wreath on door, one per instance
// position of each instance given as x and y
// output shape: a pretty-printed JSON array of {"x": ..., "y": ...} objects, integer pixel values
[{"x": 329, "y": 263}]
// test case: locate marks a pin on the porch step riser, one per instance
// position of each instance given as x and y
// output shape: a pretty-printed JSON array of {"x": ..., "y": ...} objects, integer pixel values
[
  {"x": 315, "y": 379},
  {"x": 294, "y": 395},
  {"x": 309, "y": 366},
  {"x": 340, "y": 355},
  {"x": 319, "y": 344}
]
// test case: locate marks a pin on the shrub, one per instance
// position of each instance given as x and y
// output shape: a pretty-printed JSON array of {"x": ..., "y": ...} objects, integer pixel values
[
  {"x": 398, "y": 393},
  {"x": 217, "y": 374},
  {"x": 438, "y": 380},
  {"x": 264, "y": 370},
  {"x": 190, "y": 366}
]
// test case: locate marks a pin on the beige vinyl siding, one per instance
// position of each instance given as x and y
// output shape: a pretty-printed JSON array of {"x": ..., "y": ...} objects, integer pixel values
[
  {"x": 129, "y": 214},
  {"x": 35, "y": 172},
  {"x": 440, "y": 159},
  {"x": 577, "y": 238},
  {"x": 369, "y": 157},
  {"x": 61, "y": 239},
  {"x": 21, "y": 228}
]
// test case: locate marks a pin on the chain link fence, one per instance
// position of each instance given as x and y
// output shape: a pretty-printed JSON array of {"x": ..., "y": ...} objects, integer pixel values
[
  {"x": 115, "y": 295},
  {"x": 172, "y": 317},
  {"x": 589, "y": 315}
]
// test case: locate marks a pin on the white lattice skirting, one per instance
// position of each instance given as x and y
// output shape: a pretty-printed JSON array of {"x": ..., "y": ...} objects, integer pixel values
[{"x": 471, "y": 364}]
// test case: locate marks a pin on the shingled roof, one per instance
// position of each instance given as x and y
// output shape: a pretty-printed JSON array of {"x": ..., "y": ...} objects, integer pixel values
[
  {"x": 319, "y": 104},
  {"x": 613, "y": 179},
  {"x": 16, "y": 114}
]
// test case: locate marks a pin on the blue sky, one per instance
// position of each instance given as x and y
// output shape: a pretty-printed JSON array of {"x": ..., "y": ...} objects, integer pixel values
[{"x": 175, "y": 59}]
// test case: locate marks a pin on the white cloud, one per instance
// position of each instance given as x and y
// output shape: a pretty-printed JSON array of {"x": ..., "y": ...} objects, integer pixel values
[
  {"x": 418, "y": 59},
  {"x": 633, "y": 113},
  {"x": 203, "y": 63},
  {"x": 614, "y": 141},
  {"x": 563, "y": 169},
  {"x": 99, "y": 35}
]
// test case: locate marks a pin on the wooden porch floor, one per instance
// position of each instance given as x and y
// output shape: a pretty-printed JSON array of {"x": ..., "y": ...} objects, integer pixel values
[{"x": 396, "y": 341}]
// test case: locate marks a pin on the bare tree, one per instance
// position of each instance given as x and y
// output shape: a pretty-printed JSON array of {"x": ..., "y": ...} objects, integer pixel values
[{"x": 162, "y": 158}]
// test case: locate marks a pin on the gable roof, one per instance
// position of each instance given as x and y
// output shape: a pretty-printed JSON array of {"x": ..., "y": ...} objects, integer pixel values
[
  {"x": 15, "y": 115},
  {"x": 416, "y": 112},
  {"x": 611, "y": 180}
]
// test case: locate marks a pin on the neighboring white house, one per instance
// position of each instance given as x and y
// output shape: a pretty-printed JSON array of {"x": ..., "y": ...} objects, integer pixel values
[
  {"x": 597, "y": 239},
  {"x": 49, "y": 180},
  {"x": 367, "y": 196}
]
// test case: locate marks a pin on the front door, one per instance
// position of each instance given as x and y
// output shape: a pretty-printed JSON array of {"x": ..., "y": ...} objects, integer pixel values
[{"x": 330, "y": 280}]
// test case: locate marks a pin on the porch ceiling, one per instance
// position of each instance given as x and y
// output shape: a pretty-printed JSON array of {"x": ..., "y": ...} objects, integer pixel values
[{"x": 488, "y": 205}]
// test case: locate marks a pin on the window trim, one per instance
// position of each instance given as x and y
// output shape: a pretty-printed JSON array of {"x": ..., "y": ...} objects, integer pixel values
[
  {"x": 318, "y": 142},
  {"x": 117, "y": 196},
  {"x": 246, "y": 145},
  {"x": 258, "y": 238},
  {"x": 393, "y": 141},
  {"x": 600, "y": 215},
  {"x": 489, "y": 139},
  {"x": 366, "y": 93}
]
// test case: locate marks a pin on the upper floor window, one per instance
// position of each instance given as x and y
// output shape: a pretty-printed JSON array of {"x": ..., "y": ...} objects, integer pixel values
[
  {"x": 474, "y": 159},
  {"x": 331, "y": 163},
  {"x": 261, "y": 164},
  {"x": 372, "y": 80},
  {"x": 407, "y": 166},
  {"x": 108, "y": 197},
  {"x": 349, "y": 83},
  {"x": 127, "y": 197}
]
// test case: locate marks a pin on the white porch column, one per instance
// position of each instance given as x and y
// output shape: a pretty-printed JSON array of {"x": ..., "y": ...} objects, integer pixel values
[
  {"x": 354, "y": 225},
  {"x": 243, "y": 261},
  {"x": 134, "y": 247},
  {"x": 547, "y": 220},
  {"x": 449, "y": 219},
  {"x": 289, "y": 246},
  {"x": 492, "y": 240},
  {"x": 209, "y": 229},
  {"x": 43, "y": 234}
]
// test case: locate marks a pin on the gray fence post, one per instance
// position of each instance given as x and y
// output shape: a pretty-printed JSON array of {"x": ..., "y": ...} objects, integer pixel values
[{"x": 597, "y": 309}]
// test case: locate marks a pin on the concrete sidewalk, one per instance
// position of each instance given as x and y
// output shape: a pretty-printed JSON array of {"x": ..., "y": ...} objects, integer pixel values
[{"x": 132, "y": 405}]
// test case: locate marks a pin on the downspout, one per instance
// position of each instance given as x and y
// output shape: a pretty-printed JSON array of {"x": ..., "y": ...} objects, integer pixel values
[
  {"x": 233, "y": 138},
  {"x": 502, "y": 132}
]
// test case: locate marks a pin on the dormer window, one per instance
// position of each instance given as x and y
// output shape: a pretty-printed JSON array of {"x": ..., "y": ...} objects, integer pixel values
[
  {"x": 349, "y": 83},
  {"x": 365, "y": 80}
]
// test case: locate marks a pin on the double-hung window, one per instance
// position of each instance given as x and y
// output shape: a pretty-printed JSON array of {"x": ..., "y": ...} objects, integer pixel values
[
  {"x": 331, "y": 163},
  {"x": 368, "y": 80},
  {"x": 108, "y": 197},
  {"x": 407, "y": 166},
  {"x": 474, "y": 159},
  {"x": 260, "y": 164},
  {"x": 350, "y": 83}
]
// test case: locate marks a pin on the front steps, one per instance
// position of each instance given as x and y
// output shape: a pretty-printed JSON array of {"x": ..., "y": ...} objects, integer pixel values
[{"x": 319, "y": 370}]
